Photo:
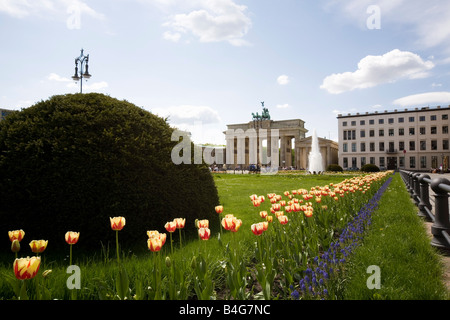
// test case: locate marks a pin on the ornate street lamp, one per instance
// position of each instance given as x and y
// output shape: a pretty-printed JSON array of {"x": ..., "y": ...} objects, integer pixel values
[{"x": 81, "y": 60}]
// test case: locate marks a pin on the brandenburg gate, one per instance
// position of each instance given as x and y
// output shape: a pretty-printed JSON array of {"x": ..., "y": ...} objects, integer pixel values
[{"x": 264, "y": 142}]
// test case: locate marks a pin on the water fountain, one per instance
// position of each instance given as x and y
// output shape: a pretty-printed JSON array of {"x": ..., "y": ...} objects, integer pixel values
[{"x": 315, "y": 157}]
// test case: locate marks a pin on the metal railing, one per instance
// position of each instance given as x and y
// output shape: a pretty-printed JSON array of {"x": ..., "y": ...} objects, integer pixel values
[{"x": 418, "y": 185}]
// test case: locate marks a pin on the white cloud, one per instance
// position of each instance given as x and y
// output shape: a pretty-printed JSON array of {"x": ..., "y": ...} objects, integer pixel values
[
  {"x": 95, "y": 86},
  {"x": 47, "y": 8},
  {"x": 375, "y": 70},
  {"x": 283, "y": 79},
  {"x": 422, "y": 99},
  {"x": 172, "y": 36},
  {"x": 428, "y": 20},
  {"x": 212, "y": 21},
  {"x": 282, "y": 106},
  {"x": 188, "y": 114}
]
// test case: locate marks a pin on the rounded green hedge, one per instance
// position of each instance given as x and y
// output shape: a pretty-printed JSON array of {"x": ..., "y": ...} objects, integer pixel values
[
  {"x": 72, "y": 161},
  {"x": 369, "y": 168},
  {"x": 334, "y": 168}
]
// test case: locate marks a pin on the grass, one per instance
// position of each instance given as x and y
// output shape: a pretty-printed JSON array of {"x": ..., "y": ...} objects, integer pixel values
[
  {"x": 410, "y": 268},
  {"x": 396, "y": 242}
]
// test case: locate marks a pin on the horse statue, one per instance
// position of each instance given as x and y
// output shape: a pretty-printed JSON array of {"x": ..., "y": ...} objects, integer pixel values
[{"x": 265, "y": 114}]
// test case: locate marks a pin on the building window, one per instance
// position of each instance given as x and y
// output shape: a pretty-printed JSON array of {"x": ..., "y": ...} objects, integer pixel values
[
  {"x": 381, "y": 133},
  {"x": 423, "y": 145},
  {"x": 353, "y": 134},
  {"x": 362, "y": 122},
  {"x": 445, "y": 117},
  {"x": 391, "y": 132},
  {"x": 372, "y": 146},
  {"x": 411, "y": 119},
  {"x": 411, "y": 131},
  {"x": 423, "y": 162},
  {"x": 372, "y": 133},
  {"x": 380, "y": 121},
  {"x": 401, "y": 120},
  {"x": 444, "y": 129},
  {"x": 445, "y": 144},
  {"x": 371, "y": 121},
  {"x": 412, "y": 162},
  {"x": 434, "y": 162},
  {"x": 362, "y": 133},
  {"x": 363, "y": 147},
  {"x": 412, "y": 145},
  {"x": 344, "y": 124},
  {"x": 401, "y": 131},
  {"x": 353, "y": 147},
  {"x": 401, "y": 145},
  {"x": 372, "y": 160},
  {"x": 353, "y": 123},
  {"x": 422, "y": 130},
  {"x": 363, "y": 161},
  {"x": 354, "y": 164},
  {"x": 433, "y": 144},
  {"x": 381, "y": 161},
  {"x": 344, "y": 147},
  {"x": 433, "y": 118},
  {"x": 422, "y": 118},
  {"x": 381, "y": 146},
  {"x": 433, "y": 130},
  {"x": 345, "y": 162},
  {"x": 401, "y": 162},
  {"x": 391, "y": 120},
  {"x": 345, "y": 134}
]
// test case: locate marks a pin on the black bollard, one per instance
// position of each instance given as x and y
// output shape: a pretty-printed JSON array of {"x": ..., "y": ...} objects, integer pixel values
[
  {"x": 424, "y": 203},
  {"x": 441, "y": 225}
]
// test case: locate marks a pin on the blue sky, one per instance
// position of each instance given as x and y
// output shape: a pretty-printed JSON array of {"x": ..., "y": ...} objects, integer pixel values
[{"x": 209, "y": 63}]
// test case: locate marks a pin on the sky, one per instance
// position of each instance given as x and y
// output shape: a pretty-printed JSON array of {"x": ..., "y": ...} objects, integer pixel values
[{"x": 208, "y": 63}]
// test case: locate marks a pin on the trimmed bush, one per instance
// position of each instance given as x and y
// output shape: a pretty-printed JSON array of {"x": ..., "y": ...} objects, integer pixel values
[
  {"x": 334, "y": 168},
  {"x": 71, "y": 162},
  {"x": 369, "y": 168}
]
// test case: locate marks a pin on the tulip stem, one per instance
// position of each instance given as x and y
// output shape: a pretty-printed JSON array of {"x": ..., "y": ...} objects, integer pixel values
[
  {"x": 117, "y": 246},
  {"x": 70, "y": 254},
  {"x": 180, "y": 236},
  {"x": 171, "y": 246}
]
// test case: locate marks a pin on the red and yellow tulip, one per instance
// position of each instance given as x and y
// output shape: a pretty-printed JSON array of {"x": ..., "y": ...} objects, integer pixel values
[
  {"x": 16, "y": 235},
  {"x": 72, "y": 237},
  {"x": 38, "y": 246},
  {"x": 204, "y": 233},
  {"x": 26, "y": 268},
  {"x": 117, "y": 223},
  {"x": 170, "y": 226}
]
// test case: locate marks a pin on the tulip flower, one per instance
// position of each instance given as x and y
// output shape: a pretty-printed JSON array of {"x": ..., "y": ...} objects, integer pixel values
[
  {"x": 203, "y": 224},
  {"x": 15, "y": 246},
  {"x": 204, "y": 233},
  {"x": 180, "y": 222},
  {"x": 16, "y": 235},
  {"x": 38, "y": 246},
  {"x": 170, "y": 226},
  {"x": 117, "y": 224},
  {"x": 219, "y": 209},
  {"x": 152, "y": 233},
  {"x": 231, "y": 223},
  {"x": 72, "y": 237},
  {"x": 154, "y": 244},
  {"x": 263, "y": 214},
  {"x": 269, "y": 218},
  {"x": 283, "y": 219},
  {"x": 26, "y": 268},
  {"x": 257, "y": 228}
]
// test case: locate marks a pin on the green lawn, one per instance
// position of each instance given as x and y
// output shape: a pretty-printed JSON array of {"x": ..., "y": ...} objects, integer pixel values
[{"x": 396, "y": 242}]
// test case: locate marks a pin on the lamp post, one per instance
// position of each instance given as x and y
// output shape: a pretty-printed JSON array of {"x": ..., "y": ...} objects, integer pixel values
[{"x": 81, "y": 60}]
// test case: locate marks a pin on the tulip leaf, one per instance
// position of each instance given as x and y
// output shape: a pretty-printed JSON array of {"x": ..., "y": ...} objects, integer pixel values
[{"x": 122, "y": 283}]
